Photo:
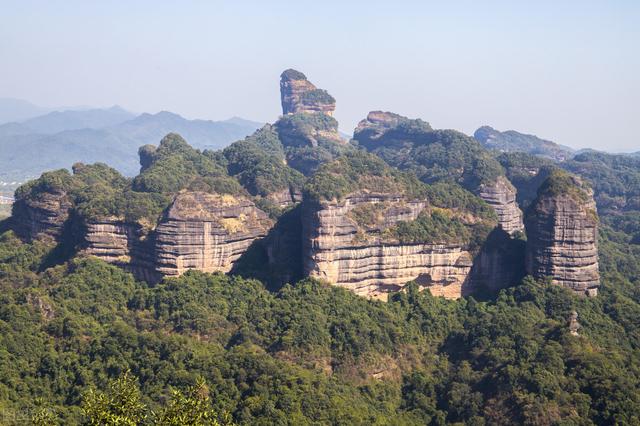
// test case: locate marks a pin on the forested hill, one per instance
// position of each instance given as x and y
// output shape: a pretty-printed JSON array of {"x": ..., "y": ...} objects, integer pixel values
[{"x": 294, "y": 277}]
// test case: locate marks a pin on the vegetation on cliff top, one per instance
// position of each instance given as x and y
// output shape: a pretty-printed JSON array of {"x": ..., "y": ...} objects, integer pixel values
[
  {"x": 317, "y": 96},
  {"x": 559, "y": 183},
  {"x": 434, "y": 155}
]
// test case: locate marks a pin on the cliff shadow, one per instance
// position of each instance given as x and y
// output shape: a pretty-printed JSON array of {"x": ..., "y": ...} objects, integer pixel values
[
  {"x": 275, "y": 259},
  {"x": 499, "y": 264},
  {"x": 71, "y": 238}
]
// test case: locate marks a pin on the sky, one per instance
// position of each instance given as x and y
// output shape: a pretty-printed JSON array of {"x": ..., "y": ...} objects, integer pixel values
[{"x": 568, "y": 71}]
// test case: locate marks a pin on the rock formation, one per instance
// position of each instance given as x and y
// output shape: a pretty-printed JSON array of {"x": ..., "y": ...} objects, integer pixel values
[
  {"x": 562, "y": 229},
  {"x": 337, "y": 249},
  {"x": 42, "y": 215},
  {"x": 402, "y": 141},
  {"x": 128, "y": 245},
  {"x": 208, "y": 232},
  {"x": 501, "y": 195},
  {"x": 299, "y": 95},
  {"x": 574, "y": 325}
]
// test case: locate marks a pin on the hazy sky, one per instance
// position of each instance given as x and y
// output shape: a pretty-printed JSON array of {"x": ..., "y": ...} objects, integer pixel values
[{"x": 565, "y": 70}]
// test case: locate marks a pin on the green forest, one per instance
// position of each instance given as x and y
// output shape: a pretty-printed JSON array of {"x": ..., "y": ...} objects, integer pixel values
[{"x": 228, "y": 350}]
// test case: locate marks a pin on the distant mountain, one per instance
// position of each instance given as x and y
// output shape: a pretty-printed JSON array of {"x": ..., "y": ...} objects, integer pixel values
[
  {"x": 512, "y": 141},
  {"x": 24, "y": 155},
  {"x": 60, "y": 121},
  {"x": 18, "y": 110}
]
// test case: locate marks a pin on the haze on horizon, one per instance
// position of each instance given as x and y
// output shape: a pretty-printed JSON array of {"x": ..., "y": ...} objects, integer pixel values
[{"x": 565, "y": 71}]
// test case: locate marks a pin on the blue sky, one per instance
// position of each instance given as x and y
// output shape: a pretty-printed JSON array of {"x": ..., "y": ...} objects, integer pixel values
[{"x": 565, "y": 70}]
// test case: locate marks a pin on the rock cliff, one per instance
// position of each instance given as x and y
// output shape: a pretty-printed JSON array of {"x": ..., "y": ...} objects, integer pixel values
[
  {"x": 338, "y": 249},
  {"x": 501, "y": 195},
  {"x": 299, "y": 95},
  {"x": 208, "y": 232},
  {"x": 44, "y": 214},
  {"x": 562, "y": 229},
  {"x": 128, "y": 245}
]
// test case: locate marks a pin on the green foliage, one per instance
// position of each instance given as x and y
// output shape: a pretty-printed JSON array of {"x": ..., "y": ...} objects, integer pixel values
[
  {"x": 360, "y": 172},
  {"x": 305, "y": 129},
  {"x": 615, "y": 179},
  {"x": 308, "y": 353},
  {"x": 526, "y": 172},
  {"x": 560, "y": 182},
  {"x": 120, "y": 405},
  {"x": 435, "y": 227},
  {"x": 433, "y": 155},
  {"x": 259, "y": 171},
  {"x": 511, "y": 141},
  {"x": 317, "y": 96},
  {"x": 175, "y": 165}
]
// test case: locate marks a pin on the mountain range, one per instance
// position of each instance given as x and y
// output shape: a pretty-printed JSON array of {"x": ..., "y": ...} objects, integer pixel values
[{"x": 59, "y": 139}]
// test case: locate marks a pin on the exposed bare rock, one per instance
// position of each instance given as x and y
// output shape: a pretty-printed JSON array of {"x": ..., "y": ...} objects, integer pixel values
[
  {"x": 299, "y": 95},
  {"x": 501, "y": 195},
  {"x": 562, "y": 229},
  {"x": 337, "y": 249},
  {"x": 208, "y": 232},
  {"x": 44, "y": 215},
  {"x": 574, "y": 325},
  {"x": 286, "y": 197},
  {"x": 128, "y": 245}
]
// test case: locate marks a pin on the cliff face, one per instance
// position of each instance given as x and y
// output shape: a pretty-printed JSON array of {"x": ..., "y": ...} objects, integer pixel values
[
  {"x": 338, "y": 249},
  {"x": 43, "y": 216},
  {"x": 299, "y": 95},
  {"x": 127, "y": 245},
  {"x": 208, "y": 232},
  {"x": 501, "y": 195},
  {"x": 562, "y": 228}
]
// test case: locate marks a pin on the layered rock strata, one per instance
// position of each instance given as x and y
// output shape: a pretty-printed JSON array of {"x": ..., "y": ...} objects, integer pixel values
[
  {"x": 208, "y": 232},
  {"x": 562, "y": 229},
  {"x": 501, "y": 195},
  {"x": 44, "y": 215},
  {"x": 337, "y": 249},
  {"x": 128, "y": 245},
  {"x": 299, "y": 95}
]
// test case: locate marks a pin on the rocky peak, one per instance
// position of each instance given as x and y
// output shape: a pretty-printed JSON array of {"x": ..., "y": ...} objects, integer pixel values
[
  {"x": 300, "y": 95},
  {"x": 562, "y": 229}
]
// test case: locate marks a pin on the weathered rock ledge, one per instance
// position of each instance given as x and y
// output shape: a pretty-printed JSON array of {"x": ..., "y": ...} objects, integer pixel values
[{"x": 338, "y": 250}]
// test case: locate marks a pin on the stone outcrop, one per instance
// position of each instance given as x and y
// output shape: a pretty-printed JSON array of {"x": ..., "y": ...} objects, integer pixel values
[
  {"x": 299, "y": 95},
  {"x": 208, "y": 232},
  {"x": 128, "y": 245},
  {"x": 43, "y": 215},
  {"x": 501, "y": 195},
  {"x": 562, "y": 229},
  {"x": 339, "y": 250}
]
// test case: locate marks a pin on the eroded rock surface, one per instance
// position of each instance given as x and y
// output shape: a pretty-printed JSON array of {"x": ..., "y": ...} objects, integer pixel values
[
  {"x": 44, "y": 215},
  {"x": 501, "y": 195},
  {"x": 299, "y": 95},
  {"x": 208, "y": 232},
  {"x": 128, "y": 245},
  {"x": 562, "y": 228},
  {"x": 339, "y": 250}
]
